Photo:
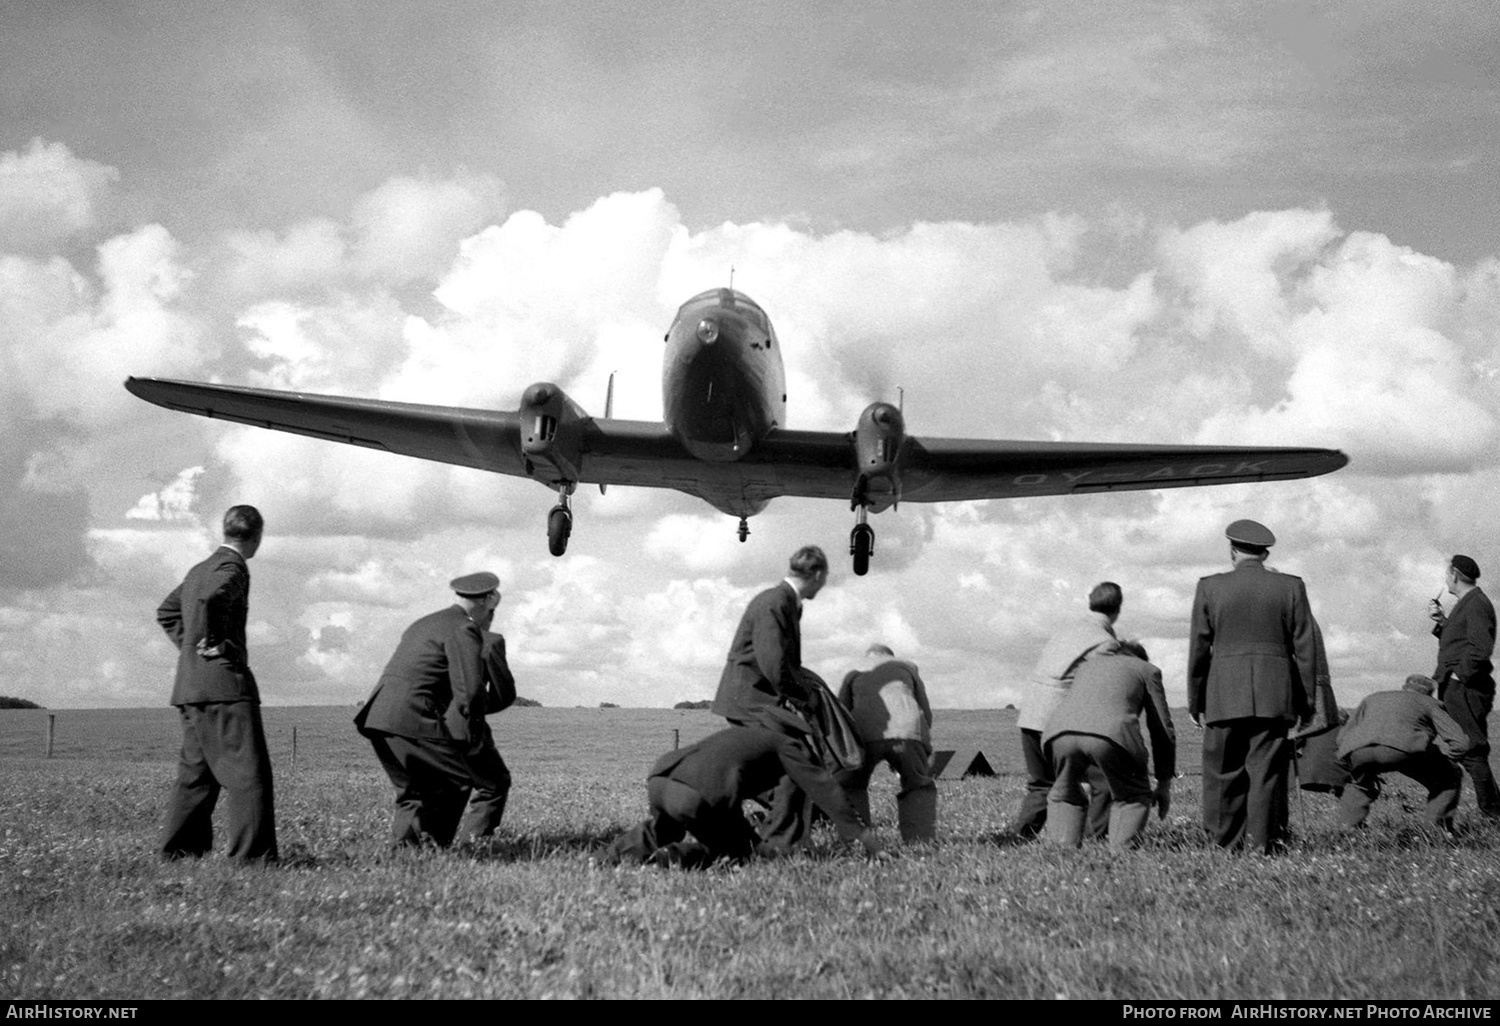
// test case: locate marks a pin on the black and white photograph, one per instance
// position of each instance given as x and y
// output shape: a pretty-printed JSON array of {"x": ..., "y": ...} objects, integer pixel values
[{"x": 664, "y": 500}]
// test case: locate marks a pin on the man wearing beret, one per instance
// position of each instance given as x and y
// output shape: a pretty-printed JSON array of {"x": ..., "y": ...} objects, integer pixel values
[
  {"x": 1251, "y": 677},
  {"x": 1465, "y": 675},
  {"x": 426, "y": 721}
]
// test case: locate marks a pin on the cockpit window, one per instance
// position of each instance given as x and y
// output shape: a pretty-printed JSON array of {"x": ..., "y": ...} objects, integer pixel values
[{"x": 731, "y": 300}]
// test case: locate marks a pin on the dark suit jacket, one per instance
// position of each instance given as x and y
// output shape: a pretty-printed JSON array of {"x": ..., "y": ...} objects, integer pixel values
[
  {"x": 742, "y": 762},
  {"x": 434, "y": 685},
  {"x": 1466, "y": 641},
  {"x": 211, "y": 605},
  {"x": 1108, "y": 696},
  {"x": 888, "y": 701},
  {"x": 765, "y": 657},
  {"x": 1251, "y": 652},
  {"x": 1405, "y": 720}
]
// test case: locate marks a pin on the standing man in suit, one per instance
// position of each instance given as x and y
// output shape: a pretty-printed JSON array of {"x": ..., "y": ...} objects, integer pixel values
[
  {"x": 1408, "y": 732},
  {"x": 764, "y": 666},
  {"x": 426, "y": 721},
  {"x": 765, "y": 657},
  {"x": 1097, "y": 727},
  {"x": 1251, "y": 677},
  {"x": 223, "y": 739},
  {"x": 1077, "y": 638},
  {"x": 1465, "y": 675},
  {"x": 894, "y": 720}
]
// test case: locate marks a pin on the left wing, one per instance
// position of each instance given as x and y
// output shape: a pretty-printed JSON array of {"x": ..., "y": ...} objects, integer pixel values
[{"x": 822, "y": 464}]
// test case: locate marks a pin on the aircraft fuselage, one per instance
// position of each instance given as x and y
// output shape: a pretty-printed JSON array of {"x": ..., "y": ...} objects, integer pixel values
[{"x": 723, "y": 384}]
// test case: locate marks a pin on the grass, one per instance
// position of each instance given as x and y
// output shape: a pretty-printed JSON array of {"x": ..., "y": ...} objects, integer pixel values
[{"x": 87, "y": 912}]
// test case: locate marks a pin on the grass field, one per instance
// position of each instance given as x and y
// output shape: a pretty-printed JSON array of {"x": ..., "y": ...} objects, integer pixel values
[{"x": 87, "y": 911}]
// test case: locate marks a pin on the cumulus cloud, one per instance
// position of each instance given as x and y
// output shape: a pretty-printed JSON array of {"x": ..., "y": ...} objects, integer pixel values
[
  {"x": 409, "y": 228},
  {"x": 173, "y": 502},
  {"x": 1281, "y": 327},
  {"x": 49, "y": 196},
  {"x": 405, "y": 230},
  {"x": 68, "y": 341}
]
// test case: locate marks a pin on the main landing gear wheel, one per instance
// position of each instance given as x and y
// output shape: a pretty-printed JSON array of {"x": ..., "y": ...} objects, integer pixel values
[
  {"x": 861, "y": 547},
  {"x": 559, "y": 526}
]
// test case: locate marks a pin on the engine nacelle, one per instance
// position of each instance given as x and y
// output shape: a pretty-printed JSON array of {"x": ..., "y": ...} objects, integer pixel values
[
  {"x": 551, "y": 434},
  {"x": 879, "y": 443}
]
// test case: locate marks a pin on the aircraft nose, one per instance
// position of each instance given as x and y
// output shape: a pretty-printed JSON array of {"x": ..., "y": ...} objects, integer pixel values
[{"x": 887, "y": 416}]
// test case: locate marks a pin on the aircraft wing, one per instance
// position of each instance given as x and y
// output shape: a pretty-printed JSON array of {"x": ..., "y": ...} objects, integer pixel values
[
  {"x": 613, "y": 451},
  {"x": 469, "y": 438},
  {"x": 819, "y": 464},
  {"x": 944, "y": 470},
  {"x": 815, "y": 464}
]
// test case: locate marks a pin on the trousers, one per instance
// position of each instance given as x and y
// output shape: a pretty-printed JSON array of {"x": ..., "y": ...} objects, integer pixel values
[
  {"x": 435, "y": 781},
  {"x": 1431, "y": 769},
  {"x": 223, "y": 748},
  {"x": 1125, "y": 779},
  {"x": 1469, "y": 703},
  {"x": 721, "y": 831},
  {"x": 916, "y": 802},
  {"x": 1246, "y": 768},
  {"x": 1031, "y": 817}
]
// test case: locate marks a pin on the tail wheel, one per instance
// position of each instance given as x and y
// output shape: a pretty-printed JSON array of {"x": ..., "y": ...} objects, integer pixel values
[
  {"x": 559, "y": 526},
  {"x": 861, "y": 547}
]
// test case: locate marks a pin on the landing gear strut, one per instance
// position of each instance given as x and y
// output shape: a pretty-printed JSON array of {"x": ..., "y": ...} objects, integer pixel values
[
  {"x": 559, "y": 523},
  {"x": 862, "y": 543},
  {"x": 744, "y": 529}
]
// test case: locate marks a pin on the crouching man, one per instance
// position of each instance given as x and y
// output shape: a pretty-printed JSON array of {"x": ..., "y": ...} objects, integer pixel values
[
  {"x": 426, "y": 721},
  {"x": 697, "y": 790},
  {"x": 1097, "y": 724},
  {"x": 894, "y": 720},
  {"x": 1408, "y": 732}
]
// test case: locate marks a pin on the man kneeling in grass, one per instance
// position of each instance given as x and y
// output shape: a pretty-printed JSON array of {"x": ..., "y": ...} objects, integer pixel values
[
  {"x": 697, "y": 790},
  {"x": 1097, "y": 723},
  {"x": 1409, "y": 732}
]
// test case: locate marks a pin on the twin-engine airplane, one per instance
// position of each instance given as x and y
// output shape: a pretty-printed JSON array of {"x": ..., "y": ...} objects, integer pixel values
[{"x": 723, "y": 438}]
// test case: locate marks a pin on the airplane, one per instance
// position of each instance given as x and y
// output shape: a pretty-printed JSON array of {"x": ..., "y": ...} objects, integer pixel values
[{"x": 723, "y": 437}]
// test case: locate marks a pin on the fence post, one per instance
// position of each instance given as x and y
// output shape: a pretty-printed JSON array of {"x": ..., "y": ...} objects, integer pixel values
[
  {"x": 294, "y": 746},
  {"x": 51, "y": 729},
  {"x": 676, "y": 738}
]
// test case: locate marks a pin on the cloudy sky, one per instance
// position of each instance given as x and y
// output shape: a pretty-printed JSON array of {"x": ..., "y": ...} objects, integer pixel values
[{"x": 1120, "y": 221}]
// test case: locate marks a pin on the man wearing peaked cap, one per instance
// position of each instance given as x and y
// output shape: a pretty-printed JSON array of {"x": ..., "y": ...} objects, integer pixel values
[
  {"x": 1465, "y": 674},
  {"x": 475, "y": 586},
  {"x": 1249, "y": 533},
  {"x": 426, "y": 720},
  {"x": 1251, "y": 676}
]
